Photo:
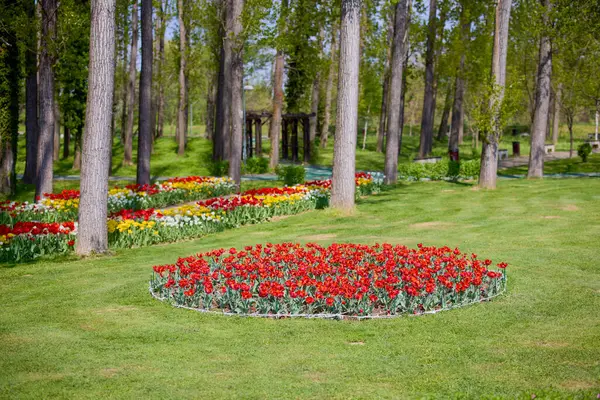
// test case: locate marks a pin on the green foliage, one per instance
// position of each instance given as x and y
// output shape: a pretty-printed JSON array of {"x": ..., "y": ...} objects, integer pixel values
[
  {"x": 444, "y": 170},
  {"x": 257, "y": 165},
  {"x": 291, "y": 174},
  {"x": 584, "y": 151},
  {"x": 218, "y": 168}
]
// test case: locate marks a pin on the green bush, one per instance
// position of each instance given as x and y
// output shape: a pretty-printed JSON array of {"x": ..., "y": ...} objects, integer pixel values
[
  {"x": 439, "y": 171},
  {"x": 257, "y": 165},
  {"x": 584, "y": 151},
  {"x": 218, "y": 168},
  {"x": 291, "y": 174}
]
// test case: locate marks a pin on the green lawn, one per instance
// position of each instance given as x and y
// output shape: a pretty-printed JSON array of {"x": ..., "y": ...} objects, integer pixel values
[
  {"x": 570, "y": 165},
  {"x": 89, "y": 328}
]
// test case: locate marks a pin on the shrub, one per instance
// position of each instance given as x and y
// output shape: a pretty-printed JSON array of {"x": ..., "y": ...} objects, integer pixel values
[
  {"x": 291, "y": 174},
  {"x": 257, "y": 165},
  {"x": 439, "y": 171},
  {"x": 584, "y": 151},
  {"x": 218, "y": 168}
]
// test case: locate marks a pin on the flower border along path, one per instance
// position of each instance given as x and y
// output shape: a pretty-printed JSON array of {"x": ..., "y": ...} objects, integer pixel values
[
  {"x": 340, "y": 281},
  {"x": 129, "y": 227}
]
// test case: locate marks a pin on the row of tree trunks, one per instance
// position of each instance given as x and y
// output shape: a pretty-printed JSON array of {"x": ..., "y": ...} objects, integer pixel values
[
  {"x": 344, "y": 151},
  {"x": 128, "y": 136},
  {"x": 426, "y": 142},
  {"x": 92, "y": 235},
  {"x": 329, "y": 88},
  {"x": 45, "y": 148},
  {"x": 145, "y": 123},
  {"x": 394, "y": 111},
  {"x": 489, "y": 154},
  {"x": 182, "y": 107},
  {"x": 31, "y": 97}
]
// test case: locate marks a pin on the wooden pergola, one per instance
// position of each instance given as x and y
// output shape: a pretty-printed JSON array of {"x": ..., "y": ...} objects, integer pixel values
[{"x": 290, "y": 144}]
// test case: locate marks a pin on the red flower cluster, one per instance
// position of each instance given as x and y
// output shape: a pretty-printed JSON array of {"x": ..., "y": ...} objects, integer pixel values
[
  {"x": 342, "y": 279},
  {"x": 135, "y": 214},
  {"x": 199, "y": 179},
  {"x": 37, "y": 228},
  {"x": 64, "y": 195},
  {"x": 327, "y": 183},
  {"x": 230, "y": 203},
  {"x": 274, "y": 191},
  {"x": 149, "y": 189}
]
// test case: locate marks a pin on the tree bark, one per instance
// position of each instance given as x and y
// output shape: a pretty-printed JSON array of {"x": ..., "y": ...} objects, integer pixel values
[
  {"x": 128, "y": 150},
  {"x": 31, "y": 97},
  {"x": 210, "y": 108},
  {"x": 542, "y": 103},
  {"x": 343, "y": 185},
  {"x": 426, "y": 142},
  {"x": 386, "y": 86},
  {"x": 316, "y": 91},
  {"x": 443, "y": 129},
  {"x": 329, "y": 89},
  {"x": 160, "y": 123},
  {"x": 56, "y": 153},
  {"x": 67, "y": 141},
  {"x": 223, "y": 134},
  {"x": 182, "y": 107},
  {"x": 456, "y": 127},
  {"x": 77, "y": 153},
  {"x": 145, "y": 117},
  {"x": 237, "y": 91},
  {"x": 45, "y": 151},
  {"x": 394, "y": 111},
  {"x": 489, "y": 153},
  {"x": 92, "y": 235},
  {"x": 275, "y": 126},
  {"x": 556, "y": 121}
]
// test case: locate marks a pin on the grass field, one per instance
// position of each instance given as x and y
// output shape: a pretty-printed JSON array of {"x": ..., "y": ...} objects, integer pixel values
[{"x": 88, "y": 328}]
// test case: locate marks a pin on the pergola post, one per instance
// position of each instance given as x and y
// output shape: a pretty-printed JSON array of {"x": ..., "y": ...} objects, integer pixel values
[
  {"x": 248, "y": 138},
  {"x": 258, "y": 133}
]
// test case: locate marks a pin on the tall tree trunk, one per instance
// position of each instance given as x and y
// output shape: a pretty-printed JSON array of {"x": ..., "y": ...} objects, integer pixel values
[
  {"x": 316, "y": 91},
  {"x": 31, "y": 96},
  {"x": 10, "y": 78},
  {"x": 92, "y": 235},
  {"x": 343, "y": 185},
  {"x": 394, "y": 112},
  {"x": 386, "y": 85},
  {"x": 461, "y": 128},
  {"x": 45, "y": 174},
  {"x": 125, "y": 94},
  {"x": 456, "y": 126},
  {"x": 145, "y": 121},
  {"x": 128, "y": 150},
  {"x": 443, "y": 129},
  {"x": 275, "y": 127},
  {"x": 237, "y": 91},
  {"x": 56, "y": 154},
  {"x": 160, "y": 122},
  {"x": 210, "y": 108},
  {"x": 329, "y": 89},
  {"x": 182, "y": 107},
  {"x": 77, "y": 151},
  {"x": 542, "y": 103},
  {"x": 218, "y": 141},
  {"x": 556, "y": 121},
  {"x": 223, "y": 126},
  {"x": 489, "y": 152},
  {"x": 426, "y": 143},
  {"x": 67, "y": 141}
]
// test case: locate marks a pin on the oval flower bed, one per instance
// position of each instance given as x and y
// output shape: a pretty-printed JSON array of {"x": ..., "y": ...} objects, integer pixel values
[{"x": 339, "y": 281}]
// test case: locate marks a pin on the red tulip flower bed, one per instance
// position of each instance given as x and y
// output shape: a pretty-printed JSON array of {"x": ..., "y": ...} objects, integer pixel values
[{"x": 339, "y": 281}]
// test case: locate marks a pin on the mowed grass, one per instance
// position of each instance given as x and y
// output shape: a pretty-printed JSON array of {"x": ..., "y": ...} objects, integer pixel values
[{"x": 88, "y": 328}]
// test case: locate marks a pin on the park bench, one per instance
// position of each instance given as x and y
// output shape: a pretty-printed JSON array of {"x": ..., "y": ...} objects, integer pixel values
[
  {"x": 594, "y": 143},
  {"x": 549, "y": 148},
  {"x": 502, "y": 154},
  {"x": 428, "y": 160}
]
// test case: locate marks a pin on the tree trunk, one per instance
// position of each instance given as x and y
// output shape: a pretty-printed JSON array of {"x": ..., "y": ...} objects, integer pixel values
[
  {"x": 237, "y": 91},
  {"x": 461, "y": 127},
  {"x": 343, "y": 185},
  {"x": 542, "y": 103},
  {"x": 160, "y": 123},
  {"x": 456, "y": 127},
  {"x": 570, "y": 124},
  {"x": 386, "y": 86},
  {"x": 275, "y": 126},
  {"x": 67, "y": 142},
  {"x": 314, "y": 106},
  {"x": 92, "y": 235},
  {"x": 145, "y": 120},
  {"x": 426, "y": 143},
  {"x": 77, "y": 153},
  {"x": 56, "y": 154},
  {"x": 128, "y": 150},
  {"x": 31, "y": 97},
  {"x": 556, "y": 121},
  {"x": 489, "y": 153},
  {"x": 45, "y": 151},
  {"x": 443, "y": 129},
  {"x": 182, "y": 108},
  {"x": 210, "y": 108},
  {"x": 223, "y": 126},
  {"x": 329, "y": 89},
  {"x": 394, "y": 111},
  {"x": 125, "y": 98}
]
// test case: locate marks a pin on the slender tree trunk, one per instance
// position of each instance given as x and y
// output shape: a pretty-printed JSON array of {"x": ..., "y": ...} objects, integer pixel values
[
  {"x": 182, "y": 108},
  {"x": 56, "y": 154},
  {"x": 343, "y": 185},
  {"x": 394, "y": 127},
  {"x": 403, "y": 97},
  {"x": 443, "y": 129},
  {"x": 542, "y": 103},
  {"x": 124, "y": 100},
  {"x": 77, "y": 152},
  {"x": 67, "y": 142},
  {"x": 218, "y": 141},
  {"x": 456, "y": 127},
  {"x": 426, "y": 143},
  {"x": 556, "y": 121},
  {"x": 44, "y": 173},
  {"x": 224, "y": 100},
  {"x": 31, "y": 97},
  {"x": 145, "y": 121},
  {"x": 237, "y": 91},
  {"x": 160, "y": 123},
  {"x": 386, "y": 86},
  {"x": 316, "y": 91},
  {"x": 489, "y": 153},
  {"x": 128, "y": 150},
  {"x": 275, "y": 126},
  {"x": 92, "y": 235},
  {"x": 366, "y": 128},
  {"x": 329, "y": 89},
  {"x": 461, "y": 127},
  {"x": 570, "y": 125},
  {"x": 210, "y": 108}
]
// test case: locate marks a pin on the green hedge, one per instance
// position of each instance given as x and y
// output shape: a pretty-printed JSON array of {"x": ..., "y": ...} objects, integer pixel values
[{"x": 443, "y": 170}]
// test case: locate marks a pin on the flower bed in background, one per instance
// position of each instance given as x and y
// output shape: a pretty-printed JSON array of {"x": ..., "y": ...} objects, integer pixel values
[
  {"x": 64, "y": 206},
  {"x": 29, "y": 240},
  {"x": 342, "y": 280}
]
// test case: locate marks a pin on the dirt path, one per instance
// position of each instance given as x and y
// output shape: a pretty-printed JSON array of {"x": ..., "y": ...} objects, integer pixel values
[{"x": 524, "y": 160}]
